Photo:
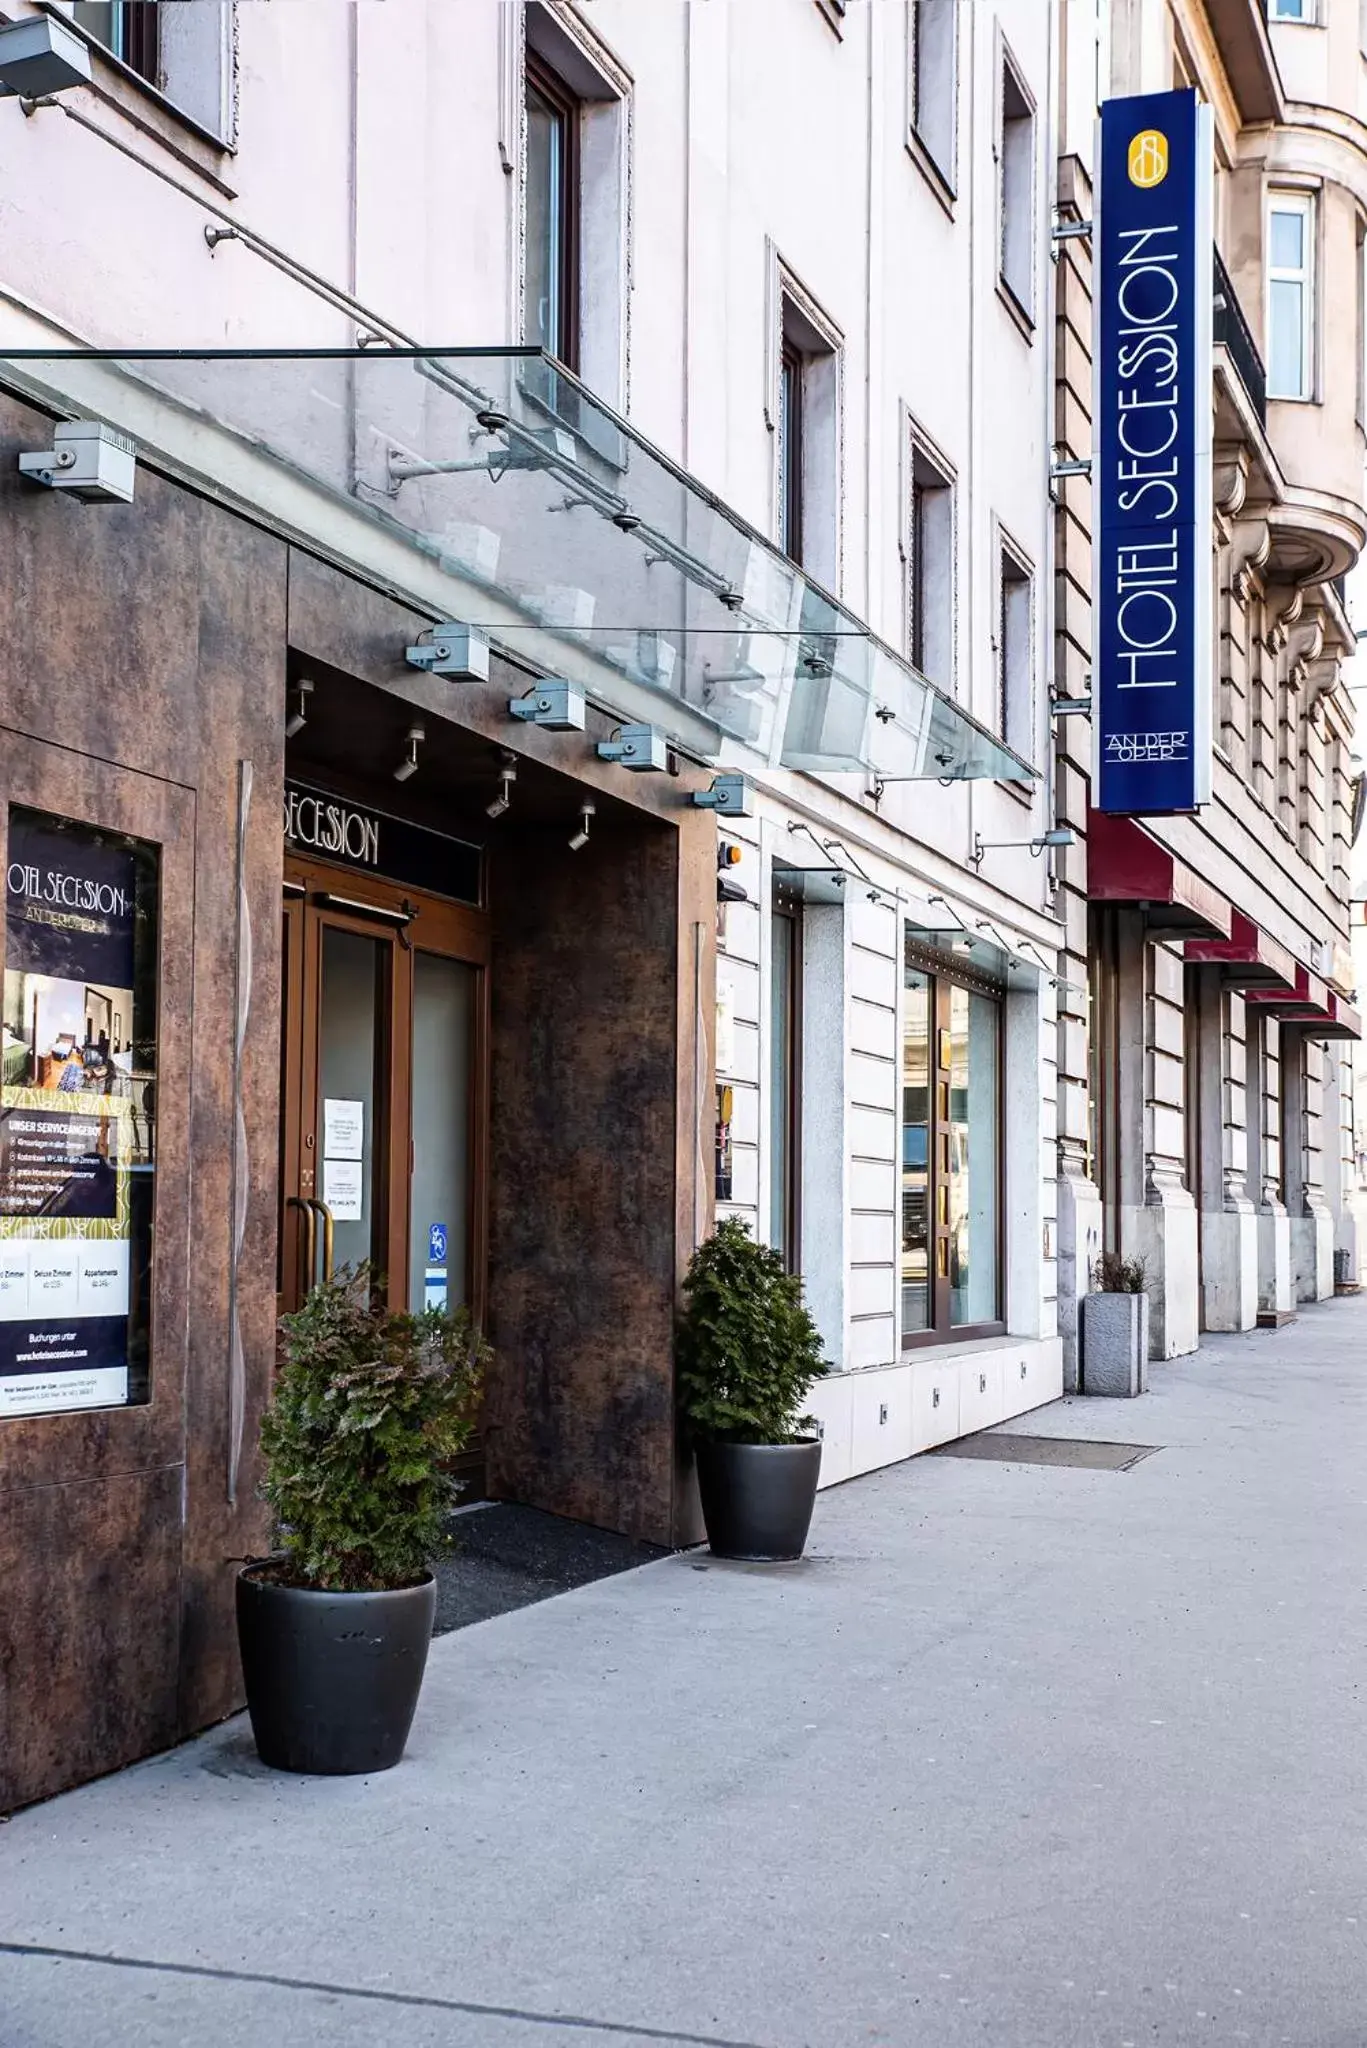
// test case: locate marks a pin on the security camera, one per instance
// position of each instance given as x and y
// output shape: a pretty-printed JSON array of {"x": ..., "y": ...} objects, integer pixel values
[{"x": 87, "y": 458}]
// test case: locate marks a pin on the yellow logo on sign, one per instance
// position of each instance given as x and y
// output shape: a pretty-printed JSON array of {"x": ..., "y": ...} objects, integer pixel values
[{"x": 1148, "y": 158}]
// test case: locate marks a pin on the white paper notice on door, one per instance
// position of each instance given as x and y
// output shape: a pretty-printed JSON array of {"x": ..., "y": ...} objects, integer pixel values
[
  {"x": 343, "y": 1129},
  {"x": 342, "y": 1189}
]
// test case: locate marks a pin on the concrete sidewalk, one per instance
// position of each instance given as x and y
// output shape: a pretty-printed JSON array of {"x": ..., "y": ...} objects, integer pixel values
[{"x": 1021, "y": 1755}]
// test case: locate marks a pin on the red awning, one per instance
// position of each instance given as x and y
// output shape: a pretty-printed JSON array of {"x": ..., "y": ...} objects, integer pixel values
[
  {"x": 1330, "y": 1018},
  {"x": 1307, "y": 994},
  {"x": 1126, "y": 865},
  {"x": 1251, "y": 958}
]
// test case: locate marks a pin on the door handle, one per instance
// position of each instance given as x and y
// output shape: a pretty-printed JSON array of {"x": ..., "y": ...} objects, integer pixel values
[
  {"x": 328, "y": 1225},
  {"x": 303, "y": 1202}
]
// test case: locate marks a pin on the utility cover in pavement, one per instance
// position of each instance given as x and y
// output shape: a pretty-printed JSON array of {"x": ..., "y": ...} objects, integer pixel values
[{"x": 1082, "y": 1452}]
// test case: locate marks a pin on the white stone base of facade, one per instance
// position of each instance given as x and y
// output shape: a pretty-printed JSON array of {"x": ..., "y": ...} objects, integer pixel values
[
  {"x": 1080, "y": 1222},
  {"x": 1276, "y": 1289},
  {"x": 888, "y": 1413},
  {"x": 1163, "y": 1234},
  {"x": 1229, "y": 1266},
  {"x": 1312, "y": 1252}
]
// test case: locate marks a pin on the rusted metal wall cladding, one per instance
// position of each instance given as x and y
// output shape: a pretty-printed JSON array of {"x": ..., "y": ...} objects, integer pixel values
[{"x": 143, "y": 657}]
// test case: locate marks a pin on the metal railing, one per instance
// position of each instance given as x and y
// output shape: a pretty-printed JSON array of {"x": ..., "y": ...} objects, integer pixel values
[{"x": 1234, "y": 333}]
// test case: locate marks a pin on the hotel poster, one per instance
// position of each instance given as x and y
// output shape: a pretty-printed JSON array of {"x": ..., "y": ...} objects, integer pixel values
[{"x": 70, "y": 1130}]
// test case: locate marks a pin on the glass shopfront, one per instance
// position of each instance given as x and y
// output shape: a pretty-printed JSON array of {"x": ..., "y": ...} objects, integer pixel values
[{"x": 952, "y": 1152}]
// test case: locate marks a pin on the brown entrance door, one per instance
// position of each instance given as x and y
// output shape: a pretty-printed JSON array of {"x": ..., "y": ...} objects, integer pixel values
[{"x": 384, "y": 1073}]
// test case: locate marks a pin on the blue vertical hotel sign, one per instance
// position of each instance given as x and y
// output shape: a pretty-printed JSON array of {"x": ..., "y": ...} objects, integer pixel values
[{"x": 1151, "y": 460}]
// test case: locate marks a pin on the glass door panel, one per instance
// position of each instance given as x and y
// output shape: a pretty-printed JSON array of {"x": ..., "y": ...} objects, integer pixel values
[
  {"x": 974, "y": 1166},
  {"x": 439, "y": 1212},
  {"x": 353, "y": 1091}
]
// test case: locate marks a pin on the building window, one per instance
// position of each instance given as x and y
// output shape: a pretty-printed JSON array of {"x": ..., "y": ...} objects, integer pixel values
[
  {"x": 808, "y": 440},
  {"x": 1290, "y": 295},
  {"x": 1291, "y": 10},
  {"x": 77, "y": 1113},
  {"x": 1016, "y": 195},
  {"x": 128, "y": 29},
  {"x": 1013, "y": 711},
  {"x": 790, "y": 451},
  {"x": 929, "y": 562},
  {"x": 551, "y": 287},
  {"x": 785, "y": 1039},
  {"x": 952, "y": 1155},
  {"x": 932, "y": 29}
]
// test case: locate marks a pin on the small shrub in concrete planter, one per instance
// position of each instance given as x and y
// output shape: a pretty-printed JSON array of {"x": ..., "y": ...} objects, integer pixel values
[
  {"x": 748, "y": 1355},
  {"x": 1115, "y": 1328},
  {"x": 370, "y": 1408}
]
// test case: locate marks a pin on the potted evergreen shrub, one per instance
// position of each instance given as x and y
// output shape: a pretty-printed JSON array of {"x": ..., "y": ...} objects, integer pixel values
[
  {"x": 1115, "y": 1328},
  {"x": 748, "y": 1353},
  {"x": 370, "y": 1407}
]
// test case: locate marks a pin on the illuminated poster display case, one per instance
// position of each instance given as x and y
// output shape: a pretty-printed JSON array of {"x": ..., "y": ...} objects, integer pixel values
[{"x": 77, "y": 1117}]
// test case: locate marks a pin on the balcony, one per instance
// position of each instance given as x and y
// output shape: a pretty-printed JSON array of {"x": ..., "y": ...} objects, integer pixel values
[{"x": 1235, "y": 336}]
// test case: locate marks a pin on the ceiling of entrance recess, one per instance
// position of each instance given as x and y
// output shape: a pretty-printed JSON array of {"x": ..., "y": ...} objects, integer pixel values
[{"x": 560, "y": 531}]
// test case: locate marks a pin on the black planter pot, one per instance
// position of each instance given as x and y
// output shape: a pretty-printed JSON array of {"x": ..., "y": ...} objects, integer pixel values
[
  {"x": 757, "y": 1499},
  {"x": 332, "y": 1678}
]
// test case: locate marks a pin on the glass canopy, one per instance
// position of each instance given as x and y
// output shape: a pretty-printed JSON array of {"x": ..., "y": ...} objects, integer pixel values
[{"x": 526, "y": 508}]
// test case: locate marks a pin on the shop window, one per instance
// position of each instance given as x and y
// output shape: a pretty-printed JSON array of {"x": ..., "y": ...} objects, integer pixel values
[
  {"x": 77, "y": 1117},
  {"x": 1016, "y": 186},
  {"x": 929, "y": 563},
  {"x": 1290, "y": 295},
  {"x": 551, "y": 288},
  {"x": 932, "y": 29},
  {"x": 952, "y": 1151},
  {"x": 785, "y": 1096},
  {"x": 129, "y": 30}
]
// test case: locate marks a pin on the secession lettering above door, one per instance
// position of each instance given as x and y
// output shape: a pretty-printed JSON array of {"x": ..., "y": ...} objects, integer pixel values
[{"x": 384, "y": 1103}]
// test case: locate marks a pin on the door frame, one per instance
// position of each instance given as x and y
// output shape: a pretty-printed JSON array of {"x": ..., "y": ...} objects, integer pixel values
[{"x": 319, "y": 895}]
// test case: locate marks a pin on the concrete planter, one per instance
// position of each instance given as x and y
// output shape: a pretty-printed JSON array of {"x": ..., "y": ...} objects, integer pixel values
[{"x": 1115, "y": 1344}]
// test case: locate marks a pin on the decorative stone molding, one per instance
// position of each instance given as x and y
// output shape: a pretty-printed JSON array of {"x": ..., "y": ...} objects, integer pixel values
[
  {"x": 1230, "y": 477},
  {"x": 1284, "y": 606},
  {"x": 1249, "y": 549}
]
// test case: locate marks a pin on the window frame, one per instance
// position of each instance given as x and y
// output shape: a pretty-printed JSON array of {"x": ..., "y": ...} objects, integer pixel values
[
  {"x": 1017, "y": 285},
  {"x": 1309, "y": 16},
  {"x": 791, "y": 380},
  {"x": 945, "y": 971},
  {"x": 941, "y": 165},
  {"x": 566, "y": 106},
  {"x": 936, "y": 479},
  {"x": 1294, "y": 200},
  {"x": 1014, "y": 688},
  {"x": 802, "y": 338},
  {"x": 135, "y": 37}
]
